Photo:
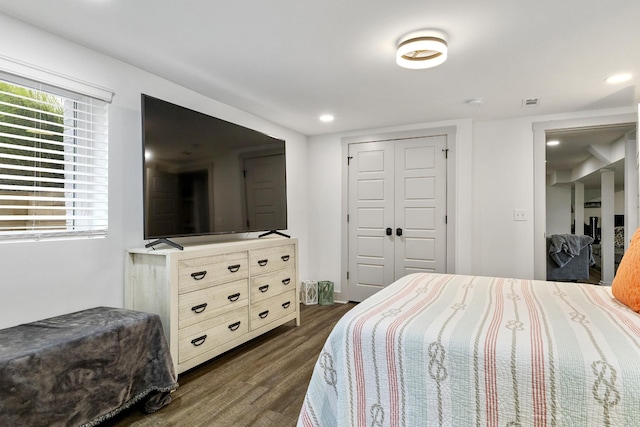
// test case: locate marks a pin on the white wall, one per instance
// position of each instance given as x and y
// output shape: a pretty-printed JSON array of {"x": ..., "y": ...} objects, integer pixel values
[
  {"x": 42, "y": 279},
  {"x": 494, "y": 175},
  {"x": 502, "y": 182},
  {"x": 559, "y": 210}
]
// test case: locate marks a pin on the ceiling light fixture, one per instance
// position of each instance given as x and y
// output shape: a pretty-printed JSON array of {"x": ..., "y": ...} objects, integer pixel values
[
  {"x": 422, "y": 49},
  {"x": 619, "y": 78},
  {"x": 553, "y": 142},
  {"x": 326, "y": 118}
]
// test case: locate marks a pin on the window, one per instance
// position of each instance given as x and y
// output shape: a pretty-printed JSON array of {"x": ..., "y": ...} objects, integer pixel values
[{"x": 53, "y": 162}]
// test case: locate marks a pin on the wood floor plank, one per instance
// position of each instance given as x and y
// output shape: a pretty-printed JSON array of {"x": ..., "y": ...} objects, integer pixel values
[{"x": 260, "y": 383}]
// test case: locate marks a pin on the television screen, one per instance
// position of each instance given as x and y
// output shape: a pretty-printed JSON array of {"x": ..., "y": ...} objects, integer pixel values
[{"x": 204, "y": 175}]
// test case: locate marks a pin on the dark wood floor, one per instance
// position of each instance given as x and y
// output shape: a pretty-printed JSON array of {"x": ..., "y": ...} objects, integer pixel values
[
  {"x": 594, "y": 276},
  {"x": 261, "y": 383}
]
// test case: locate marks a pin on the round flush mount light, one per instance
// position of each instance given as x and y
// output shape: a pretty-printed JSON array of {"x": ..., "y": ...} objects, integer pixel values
[
  {"x": 326, "y": 118},
  {"x": 422, "y": 49}
]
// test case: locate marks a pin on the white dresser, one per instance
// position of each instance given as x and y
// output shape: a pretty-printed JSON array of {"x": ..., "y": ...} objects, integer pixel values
[{"x": 214, "y": 297}]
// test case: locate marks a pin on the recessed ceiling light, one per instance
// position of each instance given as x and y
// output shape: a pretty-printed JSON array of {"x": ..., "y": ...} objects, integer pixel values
[
  {"x": 553, "y": 142},
  {"x": 618, "y": 78},
  {"x": 326, "y": 118}
]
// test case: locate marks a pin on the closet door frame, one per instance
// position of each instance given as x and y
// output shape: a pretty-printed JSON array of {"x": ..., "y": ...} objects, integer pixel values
[{"x": 450, "y": 133}]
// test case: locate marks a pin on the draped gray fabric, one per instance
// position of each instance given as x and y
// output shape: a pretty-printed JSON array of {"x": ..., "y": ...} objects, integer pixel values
[
  {"x": 564, "y": 247},
  {"x": 84, "y": 367}
]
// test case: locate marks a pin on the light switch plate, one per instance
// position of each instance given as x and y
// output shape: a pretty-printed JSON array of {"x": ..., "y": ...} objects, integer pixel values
[{"x": 519, "y": 215}]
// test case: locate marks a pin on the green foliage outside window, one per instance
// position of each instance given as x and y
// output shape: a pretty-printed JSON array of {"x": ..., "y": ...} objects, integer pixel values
[{"x": 33, "y": 120}]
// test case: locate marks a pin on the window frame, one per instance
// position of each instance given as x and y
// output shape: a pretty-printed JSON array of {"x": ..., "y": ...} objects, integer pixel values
[{"x": 79, "y": 134}]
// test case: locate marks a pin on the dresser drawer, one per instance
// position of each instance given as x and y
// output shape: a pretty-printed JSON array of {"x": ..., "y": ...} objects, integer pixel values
[
  {"x": 209, "y": 334},
  {"x": 270, "y": 259},
  {"x": 196, "y": 306},
  {"x": 271, "y": 284},
  {"x": 202, "y": 272},
  {"x": 272, "y": 309}
]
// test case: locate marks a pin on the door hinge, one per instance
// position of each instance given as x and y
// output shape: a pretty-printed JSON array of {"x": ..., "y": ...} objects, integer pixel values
[
  {"x": 347, "y": 217},
  {"x": 446, "y": 153},
  {"x": 446, "y": 218},
  {"x": 349, "y": 160},
  {"x": 244, "y": 173},
  {"x": 347, "y": 275}
]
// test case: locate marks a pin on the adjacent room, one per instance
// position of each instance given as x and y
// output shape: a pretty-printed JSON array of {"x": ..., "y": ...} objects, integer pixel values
[{"x": 319, "y": 214}]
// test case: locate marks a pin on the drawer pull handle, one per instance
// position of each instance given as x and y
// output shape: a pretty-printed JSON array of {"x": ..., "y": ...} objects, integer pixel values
[
  {"x": 199, "y": 308},
  {"x": 286, "y": 305},
  {"x": 199, "y": 275},
  {"x": 285, "y": 258},
  {"x": 264, "y": 288},
  {"x": 263, "y": 314},
  {"x": 286, "y": 281},
  {"x": 262, "y": 262},
  {"x": 234, "y": 268},
  {"x": 234, "y": 326},
  {"x": 234, "y": 297},
  {"x": 199, "y": 341}
]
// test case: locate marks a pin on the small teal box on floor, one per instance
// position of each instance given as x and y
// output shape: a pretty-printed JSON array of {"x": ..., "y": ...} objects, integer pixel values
[{"x": 325, "y": 292}]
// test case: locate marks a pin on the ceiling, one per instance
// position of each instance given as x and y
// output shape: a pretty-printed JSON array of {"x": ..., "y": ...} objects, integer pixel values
[
  {"x": 291, "y": 61},
  {"x": 583, "y": 153}
]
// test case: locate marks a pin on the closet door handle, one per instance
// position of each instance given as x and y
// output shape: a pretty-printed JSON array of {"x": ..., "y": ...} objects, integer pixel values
[
  {"x": 264, "y": 288},
  {"x": 199, "y": 341},
  {"x": 234, "y": 268},
  {"x": 199, "y": 275},
  {"x": 398, "y": 231},
  {"x": 389, "y": 231},
  {"x": 286, "y": 281},
  {"x": 234, "y": 326},
  {"x": 263, "y": 314},
  {"x": 285, "y": 258},
  {"x": 199, "y": 308},
  {"x": 263, "y": 262},
  {"x": 286, "y": 305},
  {"x": 234, "y": 297}
]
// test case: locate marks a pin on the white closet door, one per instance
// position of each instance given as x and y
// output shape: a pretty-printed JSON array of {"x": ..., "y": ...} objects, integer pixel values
[
  {"x": 420, "y": 206},
  {"x": 370, "y": 214},
  {"x": 395, "y": 187}
]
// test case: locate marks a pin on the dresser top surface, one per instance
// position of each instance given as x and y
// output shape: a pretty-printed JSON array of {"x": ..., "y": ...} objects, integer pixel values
[{"x": 218, "y": 247}]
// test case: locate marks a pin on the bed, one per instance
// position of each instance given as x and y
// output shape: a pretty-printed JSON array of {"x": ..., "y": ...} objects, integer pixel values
[{"x": 455, "y": 350}]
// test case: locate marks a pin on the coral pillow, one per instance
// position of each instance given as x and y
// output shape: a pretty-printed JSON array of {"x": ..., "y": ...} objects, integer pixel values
[{"x": 626, "y": 283}]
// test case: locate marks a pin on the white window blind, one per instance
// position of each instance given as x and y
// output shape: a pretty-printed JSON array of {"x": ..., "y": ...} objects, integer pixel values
[{"x": 53, "y": 162}]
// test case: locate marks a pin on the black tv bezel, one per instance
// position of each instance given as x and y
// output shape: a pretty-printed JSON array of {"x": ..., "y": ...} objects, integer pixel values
[{"x": 165, "y": 238}]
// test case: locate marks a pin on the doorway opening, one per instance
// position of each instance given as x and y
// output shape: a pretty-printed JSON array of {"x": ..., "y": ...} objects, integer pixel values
[{"x": 586, "y": 185}]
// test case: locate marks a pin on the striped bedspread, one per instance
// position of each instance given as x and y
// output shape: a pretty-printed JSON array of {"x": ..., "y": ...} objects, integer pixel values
[{"x": 453, "y": 350}]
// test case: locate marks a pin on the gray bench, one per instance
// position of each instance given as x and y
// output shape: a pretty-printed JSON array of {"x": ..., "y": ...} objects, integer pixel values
[{"x": 82, "y": 368}]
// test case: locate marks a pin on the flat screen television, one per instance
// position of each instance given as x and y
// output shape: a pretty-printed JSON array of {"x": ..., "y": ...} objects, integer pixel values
[{"x": 204, "y": 175}]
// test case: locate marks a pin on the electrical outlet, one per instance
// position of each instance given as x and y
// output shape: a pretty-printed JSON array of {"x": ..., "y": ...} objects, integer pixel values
[{"x": 519, "y": 215}]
